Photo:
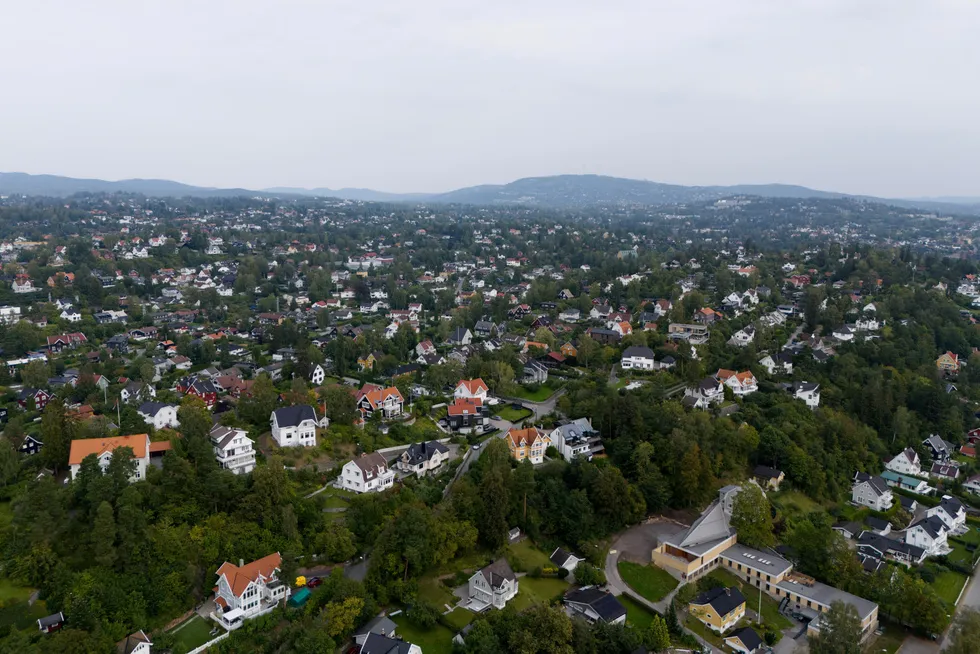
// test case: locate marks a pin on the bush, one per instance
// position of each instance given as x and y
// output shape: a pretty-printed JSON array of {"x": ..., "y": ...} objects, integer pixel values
[
  {"x": 536, "y": 572},
  {"x": 423, "y": 615},
  {"x": 589, "y": 575},
  {"x": 562, "y": 573}
]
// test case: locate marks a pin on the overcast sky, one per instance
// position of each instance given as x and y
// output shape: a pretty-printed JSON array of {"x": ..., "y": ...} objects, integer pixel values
[{"x": 862, "y": 96}]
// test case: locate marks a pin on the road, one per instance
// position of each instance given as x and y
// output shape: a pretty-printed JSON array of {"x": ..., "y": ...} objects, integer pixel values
[
  {"x": 540, "y": 409},
  {"x": 970, "y": 598}
]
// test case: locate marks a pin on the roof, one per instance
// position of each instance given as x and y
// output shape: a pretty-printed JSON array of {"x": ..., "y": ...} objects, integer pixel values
[
  {"x": 51, "y": 620},
  {"x": 465, "y": 406},
  {"x": 951, "y": 505},
  {"x": 574, "y": 430},
  {"x": 132, "y": 641},
  {"x": 370, "y": 464},
  {"x": 747, "y": 636},
  {"x": 82, "y": 447},
  {"x": 711, "y": 526},
  {"x": 638, "y": 351},
  {"x": 764, "y": 561},
  {"x": 419, "y": 452},
  {"x": 887, "y": 545},
  {"x": 378, "y": 644},
  {"x": 497, "y": 573},
  {"x": 604, "y": 603},
  {"x": 722, "y": 600},
  {"x": 473, "y": 386},
  {"x": 528, "y": 436},
  {"x": 945, "y": 470},
  {"x": 377, "y": 395},
  {"x": 877, "y": 484},
  {"x": 381, "y": 624},
  {"x": 827, "y": 595},
  {"x": 766, "y": 471},
  {"x": 292, "y": 416},
  {"x": 560, "y": 556},
  {"x": 239, "y": 578},
  {"x": 878, "y": 524},
  {"x": 931, "y": 525},
  {"x": 153, "y": 408}
]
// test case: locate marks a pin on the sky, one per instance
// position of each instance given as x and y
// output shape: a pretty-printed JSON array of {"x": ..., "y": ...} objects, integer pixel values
[{"x": 859, "y": 96}]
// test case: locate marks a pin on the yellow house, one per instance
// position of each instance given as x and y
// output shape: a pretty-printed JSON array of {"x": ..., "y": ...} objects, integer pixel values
[
  {"x": 529, "y": 443},
  {"x": 569, "y": 350},
  {"x": 367, "y": 363},
  {"x": 719, "y": 608},
  {"x": 697, "y": 550},
  {"x": 948, "y": 362}
]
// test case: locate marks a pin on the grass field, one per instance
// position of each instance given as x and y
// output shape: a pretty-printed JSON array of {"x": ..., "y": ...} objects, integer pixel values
[
  {"x": 648, "y": 580},
  {"x": 770, "y": 607},
  {"x": 459, "y": 618},
  {"x": 193, "y": 632},
  {"x": 698, "y": 627},
  {"x": 437, "y": 640},
  {"x": 960, "y": 554},
  {"x": 948, "y": 585},
  {"x": 793, "y": 502},
  {"x": 537, "y": 591},
  {"x": 9, "y": 591},
  {"x": 543, "y": 393},
  {"x": 524, "y": 557},
  {"x": 432, "y": 591},
  {"x": 636, "y": 614},
  {"x": 511, "y": 414}
]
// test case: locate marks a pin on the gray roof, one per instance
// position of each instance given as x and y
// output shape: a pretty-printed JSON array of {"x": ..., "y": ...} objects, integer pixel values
[
  {"x": 291, "y": 416},
  {"x": 931, "y": 525},
  {"x": 153, "y": 408},
  {"x": 887, "y": 545},
  {"x": 766, "y": 562},
  {"x": 710, "y": 527},
  {"x": 878, "y": 485},
  {"x": 951, "y": 505},
  {"x": 560, "y": 556},
  {"x": 604, "y": 603},
  {"x": 575, "y": 430},
  {"x": 827, "y": 595},
  {"x": 378, "y": 644},
  {"x": 497, "y": 573},
  {"x": 748, "y": 637},
  {"x": 381, "y": 624},
  {"x": 419, "y": 452},
  {"x": 222, "y": 436},
  {"x": 638, "y": 351}
]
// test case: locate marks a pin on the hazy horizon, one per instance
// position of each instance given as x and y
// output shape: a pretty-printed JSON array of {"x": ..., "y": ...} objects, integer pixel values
[{"x": 871, "y": 98}]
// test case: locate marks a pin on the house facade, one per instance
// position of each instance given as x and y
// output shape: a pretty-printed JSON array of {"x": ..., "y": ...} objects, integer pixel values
[
  {"x": 294, "y": 426},
  {"x": 471, "y": 389},
  {"x": 248, "y": 591},
  {"x": 905, "y": 462},
  {"x": 233, "y": 449},
  {"x": 871, "y": 491},
  {"x": 529, "y": 443},
  {"x": 931, "y": 535},
  {"x": 103, "y": 449},
  {"x": 467, "y": 415},
  {"x": 492, "y": 587},
  {"x": 422, "y": 458},
  {"x": 372, "y": 399},
  {"x": 159, "y": 414},
  {"x": 576, "y": 438},
  {"x": 367, "y": 473},
  {"x": 719, "y": 608},
  {"x": 638, "y": 358}
]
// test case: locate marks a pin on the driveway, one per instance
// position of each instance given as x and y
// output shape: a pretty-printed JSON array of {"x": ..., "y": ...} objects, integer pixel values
[{"x": 636, "y": 544}]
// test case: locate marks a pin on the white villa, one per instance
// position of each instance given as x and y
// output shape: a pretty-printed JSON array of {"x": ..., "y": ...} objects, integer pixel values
[
  {"x": 248, "y": 591},
  {"x": 471, "y": 388},
  {"x": 233, "y": 449},
  {"x": 492, "y": 587},
  {"x": 159, "y": 414},
  {"x": 871, "y": 491},
  {"x": 368, "y": 473},
  {"x": 905, "y": 462},
  {"x": 103, "y": 448},
  {"x": 294, "y": 426}
]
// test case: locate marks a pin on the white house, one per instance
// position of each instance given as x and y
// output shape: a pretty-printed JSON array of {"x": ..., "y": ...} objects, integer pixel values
[
  {"x": 492, "y": 587},
  {"x": 135, "y": 643},
  {"x": 233, "y": 449},
  {"x": 973, "y": 484},
  {"x": 595, "y": 605},
  {"x": 872, "y": 491},
  {"x": 103, "y": 448},
  {"x": 743, "y": 337},
  {"x": 905, "y": 462},
  {"x": 367, "y": 473},
  {"x": 709, "y": 391},
  {"x": 248, "y": 591},
  {"x": 809, "y": 392},
  {"x": 294, "y": 426},
  {"x": 136, "y": 390},
  {"x": 471, "y": 388},
  {"x": 422, "y": 458},
  {"x": 71, "y": 315},
  {"x": 576, "y": 438},
  {"x": 565, "y": 559},
  {"x": 741, "y": 383},
  {"x": 843, "y": 333},
  {"x": 159, "y": 414},
  {"x": 951, "y": 512},
  {"x": 318, "y": 375},
  {"x": 638, "y": 358},
  {"x": 781, "y": 363},
  {"x": 930, "y": 534}
]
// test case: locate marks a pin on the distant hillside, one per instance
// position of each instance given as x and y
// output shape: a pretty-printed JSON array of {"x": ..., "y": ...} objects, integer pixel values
[
  {"x": 361, "y": 194},
  {"x": 54, "y": 185}
]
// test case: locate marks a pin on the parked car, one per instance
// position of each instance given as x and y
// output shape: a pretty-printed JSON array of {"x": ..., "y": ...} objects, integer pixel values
[
  {"x": 313, "y": 582},
  {"x": 477, "y": 446}
]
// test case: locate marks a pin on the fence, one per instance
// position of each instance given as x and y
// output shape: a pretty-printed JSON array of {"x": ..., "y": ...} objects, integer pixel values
[{"x": 205, "y": 646}]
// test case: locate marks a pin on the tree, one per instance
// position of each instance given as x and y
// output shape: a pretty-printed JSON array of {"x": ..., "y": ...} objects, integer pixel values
[
  {"x": 341, "y": 407},
  {"x": 35, "y": 374},
  {"x": 589, "y": 575},
  {"x": 104, "y": 536},
  {"x": 586, "y": 350},
  {"x": 194, "y": 417},
  {"x": 964, "y": 638},
  {"x": 341, "y": 617},
  {"x": 9, "y": 463},
  {"x": 840, "y": 631},
  {"x": 657, "y": 636},
  {"x": 57, "y": 431},
  {"x": 752, "y": 517}
]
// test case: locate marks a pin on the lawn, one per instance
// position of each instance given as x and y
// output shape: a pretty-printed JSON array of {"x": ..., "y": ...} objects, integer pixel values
[
  {"x": 510, "y": 414},
  {"x": 9, "y": 591},
  {"x": 770, "y": 607},
  {"x": 193, "y": 633},
  {"x": 794, "y": 502},
  {"x": 649, "y": 581},
  {"x": 538, "y": 591},
  {"x": 698, "y": 627},
  {"x": 437, "y": 640},
  {"x": 543, "y": 393},
  {"x": 960, "y": 554},
  {"x": 636, "y": 614},
  {"x": 432, "y": 591},
  {"x": 459, "y": 618},
  {"x": 948, "y": 585},
  {"x": 524, "y": 557},
  {"x": 889, "y": 641}
]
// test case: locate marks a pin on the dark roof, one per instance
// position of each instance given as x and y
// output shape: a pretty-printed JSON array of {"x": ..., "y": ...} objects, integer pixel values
[
  {"x": 378, "y": 644},
  {"x": 291, "y": 416},
  {"x": 766, "y": 471},
  {"x": 419, "y": 452},
  {"x": 603, "y": 603},
  {"x": 152, "y": 408},
  {"x": 638, "y": 351},
  {"x": 907, "y": 502},
  {"x": 498, "y": 572},
  {"x": 131, "y": 642},
  {"x": 932, "y": 526},
  {"x": 381, "y": 624},
  {"x": 748, "y": 637},
  {"x": 458, "y": 335},
  {"x": 878, "y": 485},
  {"x": 722, "y": 600},
  {"x": 887, "y": 545},
  {"x": 51, "y": 620},
  {"x": 877, "y": 523},
  {"x": 951, "y": 505},
  {"x": 559, "y": 557}
]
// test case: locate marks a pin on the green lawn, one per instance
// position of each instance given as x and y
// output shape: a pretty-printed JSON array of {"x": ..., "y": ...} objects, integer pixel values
[
  {"x": 543, "y": 393},
  {"x": 511, "y": 414},
  {"x": 334, "y": 502},
  {"x": 437, "y": 640},
  {"x": 524, "y": 557},
  {"x": 889, "y": 641},
  {"x": 960, "y": 554},
  {"x": 9, "y": 591},
  {"x": 770, "y": 607},
  {"x": 459, "y": 618},
  {"x": 636, "y": 614},
  {"x": 193, "y": 632},
  {"x": 537, "y": 591},
  {"x": 649, "y": 581},
  {"x": 793, "y": 502},
  {"x": 432, "y": 591},
  {"x": 698, "y": 627},
  {"x": 948, "y": 585}
]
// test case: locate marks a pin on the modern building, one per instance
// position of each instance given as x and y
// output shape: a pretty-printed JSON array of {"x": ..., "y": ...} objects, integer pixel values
[{"x": 595, "y": 605}]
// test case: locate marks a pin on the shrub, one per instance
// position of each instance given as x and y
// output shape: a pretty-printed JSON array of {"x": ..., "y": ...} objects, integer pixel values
[{"x": 423, "y": 615}]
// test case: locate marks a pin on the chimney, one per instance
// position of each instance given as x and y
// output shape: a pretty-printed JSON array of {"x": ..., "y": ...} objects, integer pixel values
[
  {"x": 728, "y": 591},
  {"x": 241, "y": 563}
]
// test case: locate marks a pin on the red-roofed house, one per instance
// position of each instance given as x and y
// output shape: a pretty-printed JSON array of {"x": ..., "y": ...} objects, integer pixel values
[
  {"x": 248, "y": 591},
  {"x": 388, "y": 401},
  {"x": 472, "y": 388}
]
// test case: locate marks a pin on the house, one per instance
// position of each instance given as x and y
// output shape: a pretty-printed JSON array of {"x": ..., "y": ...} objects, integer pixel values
[
  {"x": 467, "y": 415},
  {"x": 719, "y": 608},
  {"x": 570, "y": 315},
  {"x": 709, "y": 391},
  {"x": 870, "y": 544},
  {"x": 535, "y": 372},
  {"x": 368, "y": 473},
  {"x": 908, "y": 504},
  {"x": 743, "y": 337},
  {"x": 381, "y": 625},
  {"x": 248, "y": 591},
  {"x": 50, "y": 623},
  {"x": 136, "y": 643},
  {"x": 872, "y": 491},
  {"x": 37, "y": 396},
  {"x": 460, "y": 336},
  {"x": 529, "y": 443},
  {"x": 318, "y": 375},
  {"x": 31, "y": 445},
  {"x": 781, "y": 363},
  {"x": 484, "y": 329},
  {"x": 368, "y": 362},
  {"x": 595, "y": 605},
  {"x": 744, "y": 641},
  {"x": 809, "y": 392},
  {"x": 379, "y": 644},
  {"x": 233, "y": 449},
  {"x": 693, "y": 334},
  {"x": 202, "y": 388},
  {"x": 181, "y": 362},
  {"x": 159, "y": 414},
  {"x": 492, "y": 587},
  {"x": 373, "y": 399},
  {"x": 945, "y": 470},
  {"x": 422, "y": 458},
  {"x": 103, "y": 448},
  {"x": 604, "y": 336},
  {"x": 425, "y": 348},
  {"x": 972, "y": 484},
  {"x": 948, "y": 363},
  {"x": 294, "y": 426},
  {"x": 843, "y": 334},
  {"x": 930, "y": 534},
  {"x": 576, "y": 438},
  {"x": 471, "y": 389},
  {"x": 940, "y": 449},
  {"x": 768, "y": 477},
  {"x": 952, "y": 512},
  {"x": 905, "y": 482},
  {"x": 118, "y": 344},
  {"x": 637, "y": 357},
  {"x": 564, "y": 559},
  {"x": 63, "y": 341},
  {"x": 135, "y": 391},
  {"x": 741, "y": 383},
  {"x": 905, "y": 462},
  {"x": 622, "y": 328}
]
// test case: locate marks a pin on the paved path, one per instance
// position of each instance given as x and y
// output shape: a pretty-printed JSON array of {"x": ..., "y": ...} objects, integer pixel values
[{"x": 540, "y": 409}]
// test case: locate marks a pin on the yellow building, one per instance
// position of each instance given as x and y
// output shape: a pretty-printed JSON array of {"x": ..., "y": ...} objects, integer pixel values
[
  {"x": 696, "y": 551},
  {"x": 948, "y": 362},
  {"x": 719, "y": 608},
  {"x": 529, "y": 443}
]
